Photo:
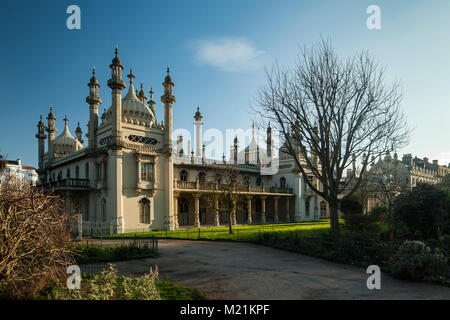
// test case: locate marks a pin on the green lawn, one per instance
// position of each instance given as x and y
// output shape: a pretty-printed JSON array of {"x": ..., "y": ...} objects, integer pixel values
[{"x": 241, "y": 233}]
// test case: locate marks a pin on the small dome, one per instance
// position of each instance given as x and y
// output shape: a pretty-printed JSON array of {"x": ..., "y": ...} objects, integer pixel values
[
  {"x": 65, "y": 143},
  {"x": 198, "y": 114}
]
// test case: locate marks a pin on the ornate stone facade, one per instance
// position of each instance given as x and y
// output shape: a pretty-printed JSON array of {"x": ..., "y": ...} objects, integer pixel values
[{"x": 129, "y": 179}]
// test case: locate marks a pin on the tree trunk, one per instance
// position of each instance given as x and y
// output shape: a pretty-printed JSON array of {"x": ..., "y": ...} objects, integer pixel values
[
  {"x": 230, "y": 222},
  {"x": 334, "y": 217}
]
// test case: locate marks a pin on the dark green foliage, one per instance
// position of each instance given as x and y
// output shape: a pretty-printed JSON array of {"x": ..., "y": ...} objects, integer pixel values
[
  {"x": 356, "y": 221},
  {"x": 425, "y": 211},
  {"x": 92, "y": 254},
  {"x": 415, "y": 261},
  {"x": 170, "y": 291},
  {"x": 351, "y": 205}
]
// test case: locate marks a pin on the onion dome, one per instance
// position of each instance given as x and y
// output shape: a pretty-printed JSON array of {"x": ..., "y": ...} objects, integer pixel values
[
  {"x": 134, "y": 111},
  {"x": 93, "y": 81},
  {"x": 141, "y": 94},
  {"x": 198, "y": 116},
  {"x": 168, "y": 78},
  {"x": 116, "y": 60},
  {"x": 65, "y": 143},
  {"x": 51, "y": 115}
]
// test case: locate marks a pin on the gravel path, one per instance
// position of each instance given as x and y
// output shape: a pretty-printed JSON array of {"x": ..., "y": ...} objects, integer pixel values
[{"x": 233, "y": 270}]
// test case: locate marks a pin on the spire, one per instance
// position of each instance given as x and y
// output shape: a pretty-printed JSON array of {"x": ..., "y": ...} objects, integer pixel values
[
  {"x": 116, "y": 82},
  {"x": 151, "y": 102},
  {"x": 66, "y": 121},
  {"x": 198, "y": 116},
  {"x": 141, "y": 94},
  {"x": 131, "y": 76}
]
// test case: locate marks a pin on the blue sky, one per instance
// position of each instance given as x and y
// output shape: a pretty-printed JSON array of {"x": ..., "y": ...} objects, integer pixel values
[{"x": 217, "y": 51}]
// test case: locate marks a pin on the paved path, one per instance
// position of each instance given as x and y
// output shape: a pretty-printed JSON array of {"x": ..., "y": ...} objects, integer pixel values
[{"x": 233, "y": 270}]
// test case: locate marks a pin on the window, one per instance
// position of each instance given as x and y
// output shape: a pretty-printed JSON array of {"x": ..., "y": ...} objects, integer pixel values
[
  {"x": 146, "y": 171},
  {"x": 323, "y": 209},
  {"x": 77, "y": 172},
  {"x": 183, "y": 175},
  {"x": 258, "y": 181},
  {"x": 104, "y": 210},
  {"x": 86, "y": 213},
  {"x": 68, "y": 173},
  {"x": 307, "y": 208},
  {"x": 86, "y": 171},
  {"x": 282, "y": 182},
  {"x": 144, "y": 211},
  {"x": 202, "y": 177}
]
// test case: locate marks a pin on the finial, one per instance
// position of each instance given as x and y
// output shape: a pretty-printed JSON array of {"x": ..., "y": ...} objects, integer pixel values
[
  {"x": 117, "y": 50},
  {"x": 142, "y": 85},
  {"x": 41, "y": 117},
  {"x": 66, "y": 120},
  {"x": 151, "y": 93},
  {"x": 131, "y": 76},
  {"x": 78, "y": 124},
  {"x": 51, "y": 108},
  {"x": 168, "y": 69}
]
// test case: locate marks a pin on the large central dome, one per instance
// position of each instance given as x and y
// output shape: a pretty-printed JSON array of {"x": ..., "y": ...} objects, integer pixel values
[{"x": 134, "y": 111}]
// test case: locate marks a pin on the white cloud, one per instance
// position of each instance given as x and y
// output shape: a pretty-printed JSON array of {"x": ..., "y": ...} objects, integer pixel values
[{"x": 228, "y": 54}]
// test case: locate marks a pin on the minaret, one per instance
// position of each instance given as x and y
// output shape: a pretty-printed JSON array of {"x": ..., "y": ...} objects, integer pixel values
[
  {"x": 179, "y": 150},
  {"x": 79, "y": 133},
  {"x": 41, "y": 137},
  {"x": 51, "y": 129},
  {"x": 141, "y": 94},
  {"x": 235, "y": 151},
  {"x": 203, "y": 154},
  {"x": 117, "y": 85},
  {"x": 168, "y": 99},
  {"x": 152, "y": 103},
  {"x": 198, "y": 133},
  {"x": 94, "y": 101},
  {"x": 269, "y": 142}
]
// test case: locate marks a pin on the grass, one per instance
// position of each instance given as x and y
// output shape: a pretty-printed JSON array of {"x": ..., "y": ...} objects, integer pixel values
[
  {"x": 171, "y": 291},
  {"x": 240, "y": 233}
]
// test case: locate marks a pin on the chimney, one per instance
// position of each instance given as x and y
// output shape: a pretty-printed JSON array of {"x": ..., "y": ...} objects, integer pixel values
[
  {"x": 19, "y": 162},
  {"x": 425, "y": 159},
  {"x": 435, "y": 162}
]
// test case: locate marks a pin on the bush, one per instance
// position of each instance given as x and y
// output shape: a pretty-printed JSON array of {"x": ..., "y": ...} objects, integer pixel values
[
  {"x": 33, "y": 239},
  {"x": 415, "y": 261},
  {"x": 107, "y": 286}
]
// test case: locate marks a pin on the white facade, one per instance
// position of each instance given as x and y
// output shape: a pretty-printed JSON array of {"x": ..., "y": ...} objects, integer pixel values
[{"x": 128, "y": 178}]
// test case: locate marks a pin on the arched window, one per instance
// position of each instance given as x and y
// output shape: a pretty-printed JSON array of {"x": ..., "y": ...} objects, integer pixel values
[
  {"x": 307, "y": 208},
  {"x": 282, "y": 182},
  {"x": 86, "y": 171},
  {"x": 323, "y": 209},
  {"x": 86, "y": 213},
  {"x": 104, "y": 210},
  {"x": 77, "y": 172},
  {"x": 68, "y": 173},
  {"x": 183, "y": 175},
  {"x": 202, "y": 177},
  {"x": 144, "y": 211},
  {"x": 258, "y": 181}
]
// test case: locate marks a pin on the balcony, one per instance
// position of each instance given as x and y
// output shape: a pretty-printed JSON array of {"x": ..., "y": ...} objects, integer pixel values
[
  {"x": 68, "y": 184},
  {"x": 209, "y": 186}
]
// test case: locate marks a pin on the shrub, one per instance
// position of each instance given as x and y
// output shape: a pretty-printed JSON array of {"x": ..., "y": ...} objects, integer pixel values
[
  {"x": 33, "y": 238},
  {"x": 414, "y": 260},
  {"x": 107, "y": 286}
]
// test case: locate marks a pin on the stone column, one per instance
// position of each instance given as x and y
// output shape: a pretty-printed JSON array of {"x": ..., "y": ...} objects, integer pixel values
[
  {"x": 175, "y": 209},
  {"x": 288, "y": 214},
  {"x": 249, "y": 210},
  {"x": 197, "y": 211},
  {"x": 263, "y": 210},
  {"x": 275, "y": 213},
  {"x": 216, "y": 213}
]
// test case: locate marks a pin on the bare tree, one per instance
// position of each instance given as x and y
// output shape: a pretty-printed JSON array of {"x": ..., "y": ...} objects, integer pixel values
[
  {"x": 34, "y": 231},
  {"x": 336, "y": 110},
  {"x": 385, "y": 181}
]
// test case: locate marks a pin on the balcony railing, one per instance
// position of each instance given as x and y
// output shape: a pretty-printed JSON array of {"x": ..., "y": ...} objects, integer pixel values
[
  {"x": 68, "y": 184},
  {"x": 205, "y": 186}
]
